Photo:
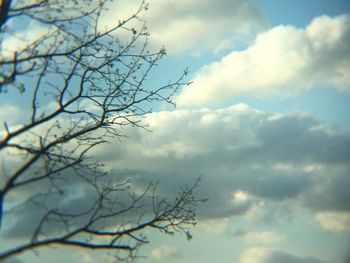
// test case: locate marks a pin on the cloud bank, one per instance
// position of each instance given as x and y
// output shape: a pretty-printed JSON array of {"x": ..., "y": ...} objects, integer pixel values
[
  {"x": 283, "y": 61},
  {"x": 258, "y": 160},
  {"x": 268, "y": 167}
]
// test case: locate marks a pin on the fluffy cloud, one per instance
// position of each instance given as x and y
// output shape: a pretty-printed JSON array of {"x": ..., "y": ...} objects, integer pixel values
[
  {"x": 334, "y": 221},
  {"x": 283, "y": 61},
  {"x": 198, "y": 24},
  {"x": 266, "y": 255},
  {"x": 21, "y": 39},
  {"x": 164, "y": 253}
]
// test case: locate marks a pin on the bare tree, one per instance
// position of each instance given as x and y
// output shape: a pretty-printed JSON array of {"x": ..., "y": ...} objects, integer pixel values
[{"x": 79, "y": 86}]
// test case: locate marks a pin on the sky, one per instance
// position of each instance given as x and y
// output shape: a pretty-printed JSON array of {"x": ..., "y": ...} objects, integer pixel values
[{"x": 265, "y": 122}]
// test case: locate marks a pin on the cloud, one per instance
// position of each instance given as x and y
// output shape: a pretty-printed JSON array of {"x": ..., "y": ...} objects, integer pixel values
[
  {"x": 266, "y": 255},
  {"x": 257, "y": 165},
  {"x": 335, "y": 182},
  {"x": 23, "y": 219},
  {"x": 165, "y": 253},
  {"x": 88, "y": 257},
  {"x": 215, "y": 227},
  {"x": 263, "y": 237},
  {"x": 334, "y": 221},
  {"x": 22, "y": 38},
  {"x": 10, "y": 114},
  {"x": 193, "y": 25},
  {"x": 283, "y": 61},
  {"x": 251, "y": 156}
]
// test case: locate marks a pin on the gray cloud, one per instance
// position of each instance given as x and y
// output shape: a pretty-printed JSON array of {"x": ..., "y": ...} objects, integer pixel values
[
  {"x": 271, "y": 158},
  {"x": 73, "y": 198},
  {"x": 333, "y": 194},
  {"x": 276, "y": 158},
  {"x": 278, "y": 257}
]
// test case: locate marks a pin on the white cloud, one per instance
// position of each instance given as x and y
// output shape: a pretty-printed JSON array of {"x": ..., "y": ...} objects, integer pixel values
[
  {"x": 334, "y": 221},
  {"x": 164, "y": 253},
  {"x": 240, "y": 196},
  {"x": 268, "y": 255},
  {"x": 254, "y": 255},
  {"x": 283, "y": 61},
  {"x": 187, "y": 134},
  {"x": 197, "y": 24},
  {"x": 10, "y": 114},
  {"x": 22, "y": 38}
]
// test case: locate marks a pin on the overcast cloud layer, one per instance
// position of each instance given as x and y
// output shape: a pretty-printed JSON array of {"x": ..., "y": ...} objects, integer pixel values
[{"x": 283, "y": 61}]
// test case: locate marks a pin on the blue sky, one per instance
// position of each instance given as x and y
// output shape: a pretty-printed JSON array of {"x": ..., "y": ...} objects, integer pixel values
[{"x": 266, "y": 122}]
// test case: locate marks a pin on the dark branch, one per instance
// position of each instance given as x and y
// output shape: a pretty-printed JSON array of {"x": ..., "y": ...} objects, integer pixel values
[{"x": 4, "y": 10}]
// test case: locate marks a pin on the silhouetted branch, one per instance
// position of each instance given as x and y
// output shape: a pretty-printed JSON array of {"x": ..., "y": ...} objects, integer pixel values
[{"x": 86, "y": 85}]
